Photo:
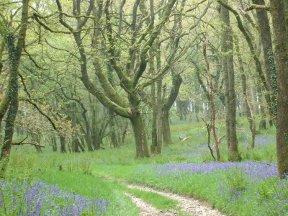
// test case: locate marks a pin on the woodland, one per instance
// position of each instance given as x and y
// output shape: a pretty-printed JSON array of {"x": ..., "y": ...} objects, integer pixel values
[{"x": 143, "y": 107}]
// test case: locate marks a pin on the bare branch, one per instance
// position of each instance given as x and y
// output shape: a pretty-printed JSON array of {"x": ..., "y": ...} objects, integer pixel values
[
  {"x": 33, "y": 60},
  {"x": 83, "y": 22},
  {"x": 258, "y": 7},
  {"x": 61, "y": 20},
  {"x": 197, "y": 5},
  {"x": 29, "y": 143},
  {"x": 29, "y": 100},
  {"x": 36, "y": 17}
]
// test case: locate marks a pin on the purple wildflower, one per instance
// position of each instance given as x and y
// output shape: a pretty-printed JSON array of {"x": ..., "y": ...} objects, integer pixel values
[
  {"x": 256, "y": 170},
  {"x": 40, "y": 198}
]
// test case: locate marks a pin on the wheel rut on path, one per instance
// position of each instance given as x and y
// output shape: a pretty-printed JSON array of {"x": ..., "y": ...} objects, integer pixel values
[{"x": 187, "y": 205}]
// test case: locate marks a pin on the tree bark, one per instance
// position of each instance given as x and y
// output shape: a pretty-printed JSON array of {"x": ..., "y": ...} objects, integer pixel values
[
  {"x": 176, "y": 84},
  {"x": 248, "y": 107},
  {"x": 154, "y": 99},
  {"x": 230, "y": 96},
  {"x": 75, "y": 144},
  {"x": 4, "y": 104},
  {"x": 54, "y": 143},
  {"x": 14, "y": 56},
  {"x": 281, "y": 52},
  {"x": 263, "y": 116},
  {"x": 269, "y": 61},
  {"x": 62, "y": 144},
  {"x": 113, "y": 135},
  {"x": 154, "y": 119},
  {"x": 159, "y": 116},
  {"x": 140, "y": 136},
  {"x": 167, "y": 139}
]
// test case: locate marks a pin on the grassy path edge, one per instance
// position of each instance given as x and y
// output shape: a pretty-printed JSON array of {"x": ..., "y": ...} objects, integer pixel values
[{"x": 187, "y": 205}]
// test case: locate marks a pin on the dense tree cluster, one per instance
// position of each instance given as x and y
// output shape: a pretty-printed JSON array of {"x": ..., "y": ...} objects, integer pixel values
[{"x": 82, "y": 74}]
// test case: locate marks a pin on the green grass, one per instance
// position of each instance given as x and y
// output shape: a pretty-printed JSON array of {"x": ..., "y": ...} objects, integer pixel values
[
  {"x": 218, "y": 188},
  {"x": 93, "y": 187}
]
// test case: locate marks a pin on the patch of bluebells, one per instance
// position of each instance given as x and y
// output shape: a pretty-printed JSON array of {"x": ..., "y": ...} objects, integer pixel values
[
  {"x": 265, "y": 140},
  {"x": 276, "y": 202},
  {"x": 255, "y": 170},
  {"x": 249, "y": 183},
  {"x": 264, "y": 197},
  {"x": 38, "y": 198}
]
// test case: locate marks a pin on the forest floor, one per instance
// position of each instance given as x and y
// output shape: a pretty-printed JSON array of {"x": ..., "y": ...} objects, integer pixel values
[
  {"x": 183, "y": 180},
  {"x": 186, "y": 205}
]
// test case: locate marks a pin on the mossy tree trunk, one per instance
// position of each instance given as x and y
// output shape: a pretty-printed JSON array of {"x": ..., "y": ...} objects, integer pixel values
[
  {"x": 230, "y": 96},
  {"x": 248, "y": 107},
  {"x": 154, "y": 119},
  {"x": 13, "y": 104},
  {"x": 167, "y": 139},
  {"x": 176, "y": 84},
  {"x": 14, "y": 56},
  {"x": 280, "y": 28},
  {"x": 139, "y": 136},
  {"x": 268, "y": 54},
  {"x": 252, "y": 47}
]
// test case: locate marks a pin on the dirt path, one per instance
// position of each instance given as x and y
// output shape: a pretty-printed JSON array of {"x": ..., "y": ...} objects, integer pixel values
[
  {"x": 146, "y": 209},
  {"x": 187, "y": 205}
]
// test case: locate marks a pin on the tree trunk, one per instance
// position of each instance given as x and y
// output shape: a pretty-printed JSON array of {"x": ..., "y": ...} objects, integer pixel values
[
  {"x": 159, "y": 116},
  {"x": 113, "y": 135},
  {"x": 230, "y": 96},
  {"x": 54, "y": 144},
  {"x": 154, "y": 119},
  {"x": 166, "y": 128},
  {"x": 140, "y": 136},
  {"x": 124, "y": 133},
  {"x": 263, "y": 120},
  {"x": 281, "y": 52},
  {"x": 62, "y": 144},
  {"x": 14, "y": 55},
  {"x": 249, "y": 112},
  {"x": 9, "y": 130},
  {"x": 247, "y": 105},
  {"x": 269, "y": 62},
  {"x": 75, "y": 144},
  {"x": 249, "y": 39},
  {"x": 253, "y": 101},
  {"x": 196, "y": 105},
  {"x": 168, "y": 103},
  {"x": 36, "y": 138},
  {"x": 95, "y": 142},
  {"x": 4, "y": 104}
]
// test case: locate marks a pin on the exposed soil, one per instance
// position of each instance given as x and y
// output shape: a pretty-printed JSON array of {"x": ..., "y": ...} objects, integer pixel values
[{"x": 148, "y": 210}]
